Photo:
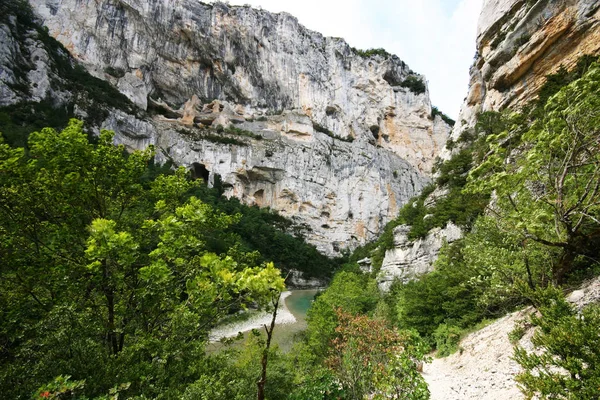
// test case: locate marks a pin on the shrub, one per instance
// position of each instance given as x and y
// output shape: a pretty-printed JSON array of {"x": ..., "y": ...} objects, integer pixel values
[
  {"x": 371, "y": 52},
  {"x": 115, "y": 72},
  {"x": 447, "y": 338},
  {"x": 565, "y": 364},
  {"x": 414, "y": 84},
  {"x": 435, "y": 111}
]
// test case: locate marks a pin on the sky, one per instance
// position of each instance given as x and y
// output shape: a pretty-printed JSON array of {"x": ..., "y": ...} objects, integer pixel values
[{"x": 435, "y": 38}]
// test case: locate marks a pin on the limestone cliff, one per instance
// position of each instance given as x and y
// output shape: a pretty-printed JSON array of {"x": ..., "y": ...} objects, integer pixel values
[
  {"x": 519, "y": 43},
  {"x": 177, "y": 49},
  {"x": 408, "y": 259},
  {"x": 335, "y": 138}
]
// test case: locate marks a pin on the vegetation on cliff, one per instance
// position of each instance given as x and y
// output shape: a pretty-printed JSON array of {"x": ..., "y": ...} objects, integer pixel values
[{"x": 525, "y": 186}]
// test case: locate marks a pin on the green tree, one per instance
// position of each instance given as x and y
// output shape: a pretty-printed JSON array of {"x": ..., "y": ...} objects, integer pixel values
[
  {"x": 352, "y": 292},
  {"x": 566, "y": 360},
  {"x": 549, "y": 192},
  {"x": 371, "y": 359},
  {"x": 104, "y": 270}
]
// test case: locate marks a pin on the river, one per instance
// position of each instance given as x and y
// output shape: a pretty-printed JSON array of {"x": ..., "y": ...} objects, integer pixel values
[{"x": 291, "y": 320}]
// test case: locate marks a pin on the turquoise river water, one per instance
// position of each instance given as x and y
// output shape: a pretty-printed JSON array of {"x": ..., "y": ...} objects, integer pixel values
[{"x": 297, "y": 302}]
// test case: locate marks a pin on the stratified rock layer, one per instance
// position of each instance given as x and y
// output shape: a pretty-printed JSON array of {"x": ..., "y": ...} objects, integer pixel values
[
  {"x": 180, "y": 48},
  {"x": 408, "y": 259},
  {"x": 519, "y": 43},
  {"x": 285, "y": 117}
]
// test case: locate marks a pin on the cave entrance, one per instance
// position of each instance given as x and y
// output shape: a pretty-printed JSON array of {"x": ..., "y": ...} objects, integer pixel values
[
  {"x": 199, "y": 171},
  {"x": 259, "y": 197}
]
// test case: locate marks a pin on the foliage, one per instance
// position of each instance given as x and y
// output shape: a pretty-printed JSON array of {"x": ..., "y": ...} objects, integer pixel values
[
  {"x": 550, "y": 194},
  {"x": 353, "y": 293},
  {"x": 371, "y": 52},
  {"x": 210, "y": 136},
  {"x": 555, "y": 82},
  {"x": 460, "y": 208},
  {"x": 115, "y": 72},
  {"x": 482, "y": 276},
  {"x": 19, "y": 120},
  {"x": 446, "y": 339},
  {"x": 242, "y": 132},
  {"x": 60, "y": 388},
  {"x": 319, "y": 385},
  {"x": 276, "y": 238},
  {"x": 233, "y": 373},
  {"x": 92, "y": 95},
  {"x": 442, "y": 296},
  {"x": 565, "y": 363},
  {"x": 104, "y": 270},
  {"x": 368, "y": 357},
  {"x": 322, "y": 129},
  {"x": 414, "y": 84},
  {"x": 435, "y": 111}
]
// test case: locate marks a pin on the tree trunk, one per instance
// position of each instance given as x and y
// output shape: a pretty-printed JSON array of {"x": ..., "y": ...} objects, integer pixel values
[
  {"x": 265, "y": 356},
  {"x": 113, "y": 341},
  {"x": 564, "y": 265}
]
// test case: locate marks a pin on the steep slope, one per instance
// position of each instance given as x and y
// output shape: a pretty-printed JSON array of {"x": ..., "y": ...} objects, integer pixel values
[
  {"x": 519, "y": 44},
  {"x": 335, "y": 138},
  {"x": 484, "y": 367}
]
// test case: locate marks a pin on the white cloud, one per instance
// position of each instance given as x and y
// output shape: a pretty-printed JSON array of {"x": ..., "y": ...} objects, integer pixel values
[{"x": 434, "y": 37}]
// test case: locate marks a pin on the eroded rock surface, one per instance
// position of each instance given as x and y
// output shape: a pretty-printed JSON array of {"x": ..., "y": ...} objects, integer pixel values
[
  {"x": 285, "y": 117},
  {"x": 410, "y": 259},
  {"x": 519, "y": 43},
  {"x": 178, "y": 49}
]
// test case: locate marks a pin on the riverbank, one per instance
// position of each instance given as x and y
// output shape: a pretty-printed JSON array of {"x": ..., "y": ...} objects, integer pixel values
[{"x": 256, "y": 321}]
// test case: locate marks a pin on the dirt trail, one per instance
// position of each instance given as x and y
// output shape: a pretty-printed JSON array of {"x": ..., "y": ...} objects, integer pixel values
[{"x": 484, "y": 369}]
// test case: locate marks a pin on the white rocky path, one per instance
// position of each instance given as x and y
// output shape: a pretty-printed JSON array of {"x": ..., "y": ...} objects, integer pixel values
[{"x": 484, "y": 368}]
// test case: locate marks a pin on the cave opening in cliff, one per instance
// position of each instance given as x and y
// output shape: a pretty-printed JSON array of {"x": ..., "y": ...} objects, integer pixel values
[
  {"x": 375, "y": 131},
  {"x": 259, "y": 197},
  {"x": 199, "y": 171}
]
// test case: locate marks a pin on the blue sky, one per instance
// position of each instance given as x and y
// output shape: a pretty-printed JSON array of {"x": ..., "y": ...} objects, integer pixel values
[{"x": 434, "y": 37}]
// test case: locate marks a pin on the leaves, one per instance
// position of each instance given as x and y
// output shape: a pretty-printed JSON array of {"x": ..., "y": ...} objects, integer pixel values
[
  {"x": 566, "y": 358},
  {"x": 549, "y": 189},
  {"x": 104, "y": 271}
]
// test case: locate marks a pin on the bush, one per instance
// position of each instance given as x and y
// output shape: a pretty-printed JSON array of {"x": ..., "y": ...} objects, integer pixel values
[
  {"x": 440, "y": 297},
  {"x": 371, "y": 52},
  {"x": 414, "y": 84},
  {"x": 447, "y": 338},
  {"x": 115, "y": 72},
  {"x": 435, "y": 111},
  {"x": 565, "y": 363}
]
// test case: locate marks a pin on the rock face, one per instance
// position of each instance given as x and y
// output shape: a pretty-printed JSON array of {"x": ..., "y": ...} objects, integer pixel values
[
  {"x": 177, "y": 49},
  {"x": 344, "y": 192},
  {"x": 297, "y": 280},
  {"x": 410, "y": 259},
  {"x": 519, "y": 43},
  {"x": 285, "y": 117}
]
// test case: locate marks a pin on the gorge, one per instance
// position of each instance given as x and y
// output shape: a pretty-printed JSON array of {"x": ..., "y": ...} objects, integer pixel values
[
  {"x": 217, "y": 149},
  {"x": 339, "y": 139}
]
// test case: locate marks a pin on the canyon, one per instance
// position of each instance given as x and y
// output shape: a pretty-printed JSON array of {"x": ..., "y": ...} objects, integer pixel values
[{"x": 334, "y": 138}]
